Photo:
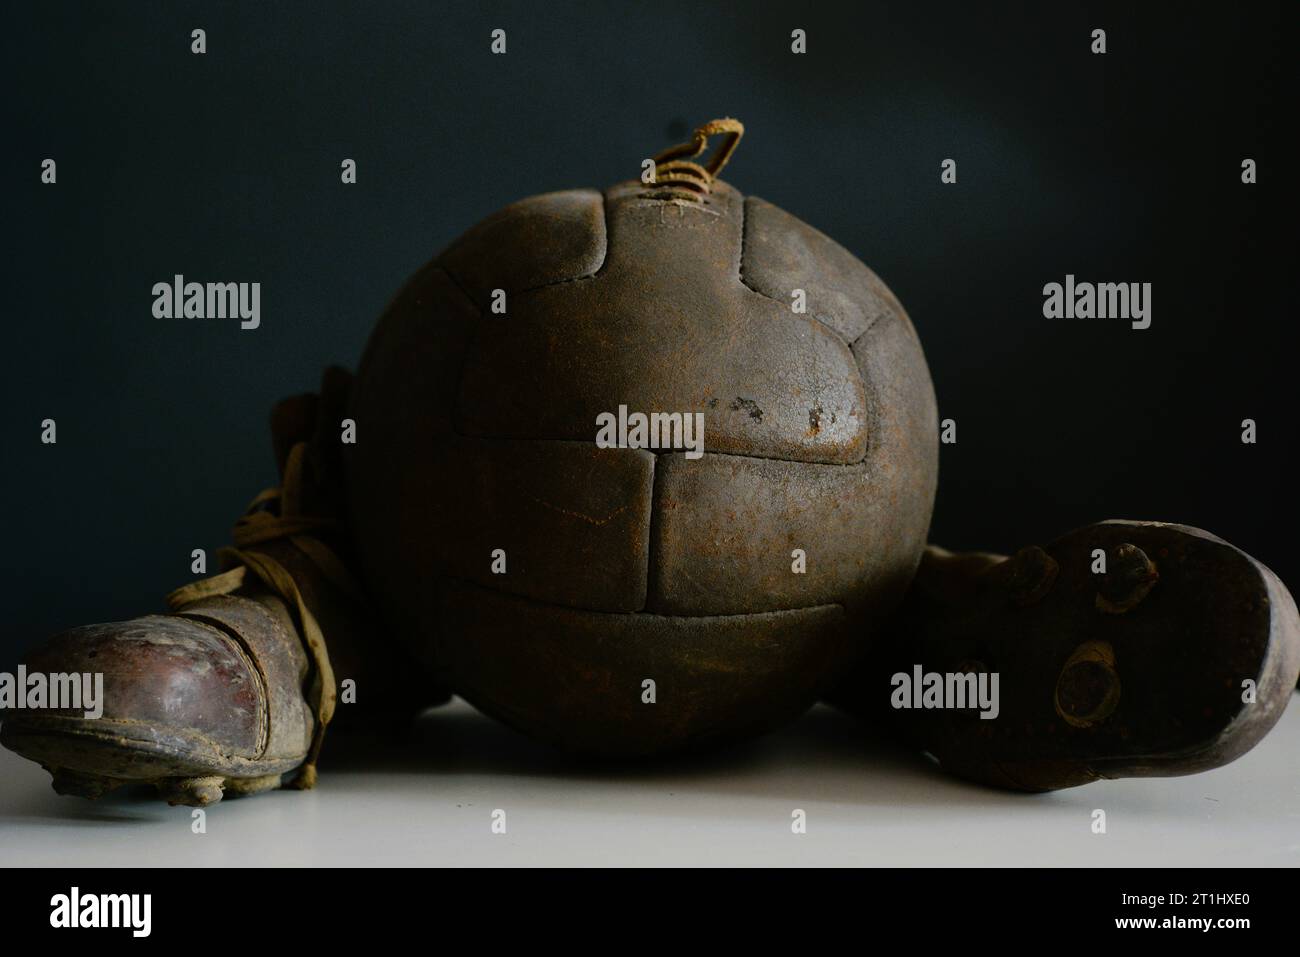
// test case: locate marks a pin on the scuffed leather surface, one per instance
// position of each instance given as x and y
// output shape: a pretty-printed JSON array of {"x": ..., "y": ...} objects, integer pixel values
[
  {"x": 276, "y": 651},
  {"x": 170, "y": 677},
  {"x": 666, "y": 325},
  {"x": 552, "y": 238},
  {"x": 715, "y": 678}
]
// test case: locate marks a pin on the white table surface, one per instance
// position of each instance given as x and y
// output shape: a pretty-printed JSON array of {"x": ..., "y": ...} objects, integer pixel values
[{"x": 428, "y": 800}]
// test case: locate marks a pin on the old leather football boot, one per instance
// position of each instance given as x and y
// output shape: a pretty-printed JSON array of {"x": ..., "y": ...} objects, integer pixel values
[
  {"x": 1122, "y": 649},
  {"x": 207, "y": 699},
  {"x": 233, "y": 690}
]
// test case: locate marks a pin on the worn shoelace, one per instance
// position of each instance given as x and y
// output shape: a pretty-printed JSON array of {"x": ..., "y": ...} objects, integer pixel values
[
  {"x": 275, "y": 514},
  {"x": 675, "y": 169}
]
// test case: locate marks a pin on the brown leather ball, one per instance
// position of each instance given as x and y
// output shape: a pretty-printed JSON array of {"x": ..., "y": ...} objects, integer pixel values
[{"x": 633, "y": 600}]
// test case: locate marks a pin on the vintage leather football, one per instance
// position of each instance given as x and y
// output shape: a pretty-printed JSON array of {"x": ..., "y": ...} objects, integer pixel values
[{"x": 629, "y": 600}]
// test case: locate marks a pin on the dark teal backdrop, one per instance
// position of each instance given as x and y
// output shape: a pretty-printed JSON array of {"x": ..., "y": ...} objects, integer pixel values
[{"x": 1122, "y": 167}]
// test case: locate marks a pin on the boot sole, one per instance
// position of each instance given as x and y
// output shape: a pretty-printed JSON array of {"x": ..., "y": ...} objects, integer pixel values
[{"x": 91, "y": 758}]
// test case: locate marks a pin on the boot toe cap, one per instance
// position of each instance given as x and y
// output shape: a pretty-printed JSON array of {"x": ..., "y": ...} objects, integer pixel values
[{"x": 174, "y": 696}]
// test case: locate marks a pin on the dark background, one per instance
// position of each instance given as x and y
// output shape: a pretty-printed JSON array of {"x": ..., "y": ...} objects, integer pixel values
[{"x": 225, "y": 166}]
